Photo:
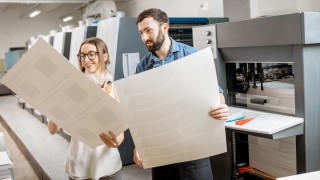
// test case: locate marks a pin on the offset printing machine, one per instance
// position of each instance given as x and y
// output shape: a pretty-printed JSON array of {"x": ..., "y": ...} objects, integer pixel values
[{"x": 269, "y": 65}]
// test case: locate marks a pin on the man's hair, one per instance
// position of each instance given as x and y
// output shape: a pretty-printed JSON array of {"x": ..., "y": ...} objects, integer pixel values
[{"x": 158, "y": 15}]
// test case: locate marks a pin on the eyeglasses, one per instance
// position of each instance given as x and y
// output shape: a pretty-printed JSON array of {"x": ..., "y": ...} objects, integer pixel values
[{"x": 91, "y": 56}]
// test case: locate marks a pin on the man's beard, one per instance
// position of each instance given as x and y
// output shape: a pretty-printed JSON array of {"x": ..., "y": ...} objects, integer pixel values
[{"x": 157, "y": 44}]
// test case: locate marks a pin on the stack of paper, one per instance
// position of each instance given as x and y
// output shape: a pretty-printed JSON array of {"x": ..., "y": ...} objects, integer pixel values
[
  {"x": 310, "y": 175},
  {"x": 5, "y": 165},
  {"x": 275, "y": 157}
]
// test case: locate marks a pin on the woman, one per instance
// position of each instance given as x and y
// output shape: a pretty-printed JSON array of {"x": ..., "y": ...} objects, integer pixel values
[{"x": 102, "y": 162}]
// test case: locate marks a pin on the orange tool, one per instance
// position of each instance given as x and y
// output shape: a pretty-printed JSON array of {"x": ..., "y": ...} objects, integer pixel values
[
  {"x": 243, "y": 121},
  {"x": 244, "y": 169}
]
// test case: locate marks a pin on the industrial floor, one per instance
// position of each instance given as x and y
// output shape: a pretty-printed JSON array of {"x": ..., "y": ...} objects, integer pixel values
[{"x": 35, "y": 153}]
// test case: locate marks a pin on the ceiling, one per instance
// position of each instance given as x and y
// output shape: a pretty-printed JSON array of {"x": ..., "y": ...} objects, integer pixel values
[{"x": 49, "y": 8}]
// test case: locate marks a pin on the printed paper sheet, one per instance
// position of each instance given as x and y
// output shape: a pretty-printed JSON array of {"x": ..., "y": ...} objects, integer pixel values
[
  {"x": 47, "y": 81},
  {"x": 167, "y": 111}
]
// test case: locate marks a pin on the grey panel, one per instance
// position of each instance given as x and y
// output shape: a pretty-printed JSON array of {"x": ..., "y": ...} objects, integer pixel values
[
  {"x": 4, "y": 90},
  {"x": 2, "y": 142},
  {"x": 129, "y": 41},
  {"x": 221, "y": 73},
  {"x": 292, "y": 131},
  {"x": 299, "y": 106},
  {"x": 298, "y": 79},
  {"x": 218, "y": 20},
  {"x": 277, "y": 30},
  {"x": 67, "y": 44},
  {"x": 51, "y": 40},
  {"x": 91, "y": 31},
  {"x": 311, "y": 79},
  {"x": 204, "y": 36},
  {"x": 257, "y": 54},
  {"x": 11, "y": 57},
  {"x": 311, "y": 27}
]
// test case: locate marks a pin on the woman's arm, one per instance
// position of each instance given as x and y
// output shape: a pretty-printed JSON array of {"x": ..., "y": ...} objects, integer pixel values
[
  {"x": 110, "y": 139},
  {"x": 116, "y": 96}
]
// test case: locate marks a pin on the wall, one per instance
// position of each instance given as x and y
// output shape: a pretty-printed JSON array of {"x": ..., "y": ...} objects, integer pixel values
[
  {"x": 16, "y": 31},
  {"x": 176, "y": 8},
  {"x": 272, "y": 7},
  {"x": 236, "y": 10},
  {"x": 277, "y": 7},
  {"x": 308, "y": 5}
]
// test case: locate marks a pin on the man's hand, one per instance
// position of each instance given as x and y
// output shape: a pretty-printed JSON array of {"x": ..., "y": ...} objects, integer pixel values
[
  {"x": 220, "y": 112},
  {"x": 136, "y": 158}
]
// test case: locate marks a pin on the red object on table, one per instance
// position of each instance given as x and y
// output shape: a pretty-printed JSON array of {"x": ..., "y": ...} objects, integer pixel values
[
  {"x": 244, "y": 169},
  {"x": 243, "y": 121}
]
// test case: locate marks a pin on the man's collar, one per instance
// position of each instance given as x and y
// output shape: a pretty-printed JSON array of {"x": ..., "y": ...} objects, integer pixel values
[{"x": 174, "y": 46}]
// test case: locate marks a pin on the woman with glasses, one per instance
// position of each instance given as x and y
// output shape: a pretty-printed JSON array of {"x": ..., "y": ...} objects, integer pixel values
[{"x": 102, "y": 162}]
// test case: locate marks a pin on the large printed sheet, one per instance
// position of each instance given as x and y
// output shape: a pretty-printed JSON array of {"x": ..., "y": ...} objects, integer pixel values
[
  {"x": 47, "y": 81},
  {"x": 167, "y": 111}
]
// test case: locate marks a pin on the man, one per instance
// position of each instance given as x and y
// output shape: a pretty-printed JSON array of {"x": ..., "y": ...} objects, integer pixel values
[{"x": 153, "y": 26}]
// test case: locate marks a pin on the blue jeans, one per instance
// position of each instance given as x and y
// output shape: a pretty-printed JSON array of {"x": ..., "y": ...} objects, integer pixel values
[{"x": 191, "y": 170}]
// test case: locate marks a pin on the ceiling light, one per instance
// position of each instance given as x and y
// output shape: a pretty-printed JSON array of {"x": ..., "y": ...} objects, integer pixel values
[
  {"x": 66, "y": 19},
  {"x": 34, "y": 13}
]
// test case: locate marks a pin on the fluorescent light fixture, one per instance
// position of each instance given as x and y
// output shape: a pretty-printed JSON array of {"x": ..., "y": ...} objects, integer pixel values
[
  {"x": 34, "y": 13},
  {"x": 66, "y": 19}
]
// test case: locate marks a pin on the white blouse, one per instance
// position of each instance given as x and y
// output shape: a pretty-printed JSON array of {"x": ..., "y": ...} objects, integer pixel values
[{"x": 85, "y": 163}]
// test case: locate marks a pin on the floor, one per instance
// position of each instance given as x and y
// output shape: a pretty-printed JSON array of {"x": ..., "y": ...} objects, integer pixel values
[
  {"x": 22, "y": 168},
  {"x": 36, "y": 153}
]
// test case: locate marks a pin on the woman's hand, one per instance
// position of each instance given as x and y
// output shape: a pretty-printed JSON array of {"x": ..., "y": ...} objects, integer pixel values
[
  {"x": 220, "y": 112},
  {"x": 52, "y": 127},
  {"x": 136, "y": 158},
  {"x": 108, "y": 87},
  {"x": 111, "y": 140}
]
